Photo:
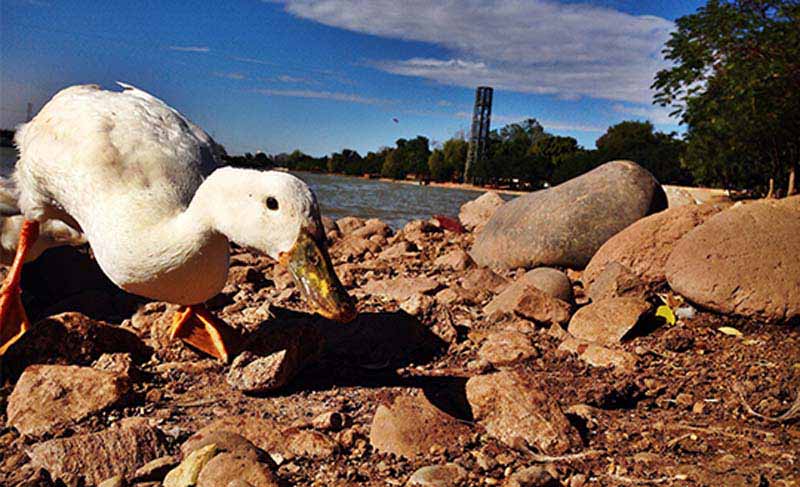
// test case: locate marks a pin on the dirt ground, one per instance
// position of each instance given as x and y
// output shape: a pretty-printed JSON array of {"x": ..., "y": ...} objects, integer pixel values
[{"x": 677, "y": 418}]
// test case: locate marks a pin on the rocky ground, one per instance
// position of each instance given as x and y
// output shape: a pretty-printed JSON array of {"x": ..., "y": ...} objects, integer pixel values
[{"x": 453, "y": 374}]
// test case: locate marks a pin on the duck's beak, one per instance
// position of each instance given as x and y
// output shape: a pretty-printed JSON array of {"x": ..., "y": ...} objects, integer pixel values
[{"x": 311, "y": 267}]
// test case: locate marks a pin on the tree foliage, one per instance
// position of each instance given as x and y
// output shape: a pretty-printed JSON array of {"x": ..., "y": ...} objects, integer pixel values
[{"x": 734, "y": 82}]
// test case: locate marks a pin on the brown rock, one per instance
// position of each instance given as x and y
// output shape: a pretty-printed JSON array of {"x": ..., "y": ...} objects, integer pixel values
[
  {"x": 71, "y": 338},
  {"x": 532, "y": 477},
  {"x": 311, "y": 444},
  {"x": 155, "y": 470},
  {"x": 531, "y": 303},
  {"x": 330, "y": 421},
  {"x": 418, "y": 304},
  {"x": 411, "y": 425},
  {"x": 484, "y": 278},
  {"x": 645, "y": 246},
  {"x": 352, "y": 247},
  {"x": 119, "y": 450},
  {"x": 419, "y": 232},
  {"x": 448, "y": 295},
  {"x": 513, "y": 408},
  {"x": 616, "y": 281},
  {"x": 274, "y": 354},
  {"x": 566, "y": 224},
  {"x": 476, "y": 213},
  {"x": 48, "y": 397},
  {"x": 372, "y": 227},
  {"x": 349, "y": 224},
  {"x": 115, "y": 481},
  {"x": 504, "y": 348},
  {"x": 398, "y": 250},
  {"x": 225, "y": 468},
  {"x": 120, "y": 364},
  {"x": 609, "y": 321},
  {"x": 552, "y": 281},
  {"x": 598, "y": 355},
  {"x": 330, "y": 226},
  {"x": 252, "y": 373},
  {"x": 224, "y": 441},
  {"x": 456, "y": 259},
  {"x": 541, "y": 307},
  {"x": 447, "y": 475},
  {"x": 264, "y": 433},
  {"x": 743, "y": 261},
  {"x": 401, "y": 288}
]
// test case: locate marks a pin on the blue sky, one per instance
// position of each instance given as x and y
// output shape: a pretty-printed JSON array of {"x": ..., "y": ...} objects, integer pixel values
[{"x": 321, "y": 75}]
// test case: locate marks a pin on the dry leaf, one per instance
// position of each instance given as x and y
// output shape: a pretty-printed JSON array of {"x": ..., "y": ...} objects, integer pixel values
[{"x": 729, "y": 330}]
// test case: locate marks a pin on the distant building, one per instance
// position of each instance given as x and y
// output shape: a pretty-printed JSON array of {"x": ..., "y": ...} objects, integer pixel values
[{"x": 479, "y": 131}]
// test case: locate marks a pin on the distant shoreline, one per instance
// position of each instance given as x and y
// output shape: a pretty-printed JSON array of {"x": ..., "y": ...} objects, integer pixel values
[{"x": 450, "y": 185}]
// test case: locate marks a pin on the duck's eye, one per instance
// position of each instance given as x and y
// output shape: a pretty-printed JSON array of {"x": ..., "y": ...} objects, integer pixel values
[{"x": 272, "y": 203}]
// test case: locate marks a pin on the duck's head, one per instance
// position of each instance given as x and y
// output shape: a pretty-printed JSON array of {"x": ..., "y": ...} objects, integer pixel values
[{"x": 277, "y": 214}]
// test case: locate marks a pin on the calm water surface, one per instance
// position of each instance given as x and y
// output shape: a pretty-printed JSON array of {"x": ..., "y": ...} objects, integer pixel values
[
  {"x": 339, "y": 196},
  {"x": 394, "y": 203}
]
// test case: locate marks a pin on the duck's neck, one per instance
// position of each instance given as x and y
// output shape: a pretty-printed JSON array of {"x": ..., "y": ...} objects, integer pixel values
[{"x": 178, "y": 258}]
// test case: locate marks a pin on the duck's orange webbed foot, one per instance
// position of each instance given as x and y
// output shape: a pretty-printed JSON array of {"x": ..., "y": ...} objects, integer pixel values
[
  {"x": 197, "y": 326},
  {"x": 13, "y": 320}
]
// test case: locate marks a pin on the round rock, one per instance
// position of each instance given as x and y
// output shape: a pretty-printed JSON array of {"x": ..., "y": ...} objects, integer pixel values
[
  {"x": 645, "y": 246},
  {"x": 566, "y": 224},
  {"x": 743, "y": 261}
]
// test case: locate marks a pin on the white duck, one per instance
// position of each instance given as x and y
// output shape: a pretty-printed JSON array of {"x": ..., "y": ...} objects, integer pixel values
[{"x": 143, "y": 185}]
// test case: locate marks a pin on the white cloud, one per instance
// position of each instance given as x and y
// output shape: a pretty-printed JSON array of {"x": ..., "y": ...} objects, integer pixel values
[
  {"x": 444, "y": 103},
  {"x": 190, "y": 48},
  {"x": 236, "y": 76},
  {"x": 531, "y": 46},
  {"x": 656, "y": 114},
  {"x": 326, "y": 95},
  {"x": 285, "y": 78}
]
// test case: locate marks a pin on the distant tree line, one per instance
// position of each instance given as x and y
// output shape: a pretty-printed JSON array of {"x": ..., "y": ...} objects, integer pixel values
[{"x": 519, "y": 155}]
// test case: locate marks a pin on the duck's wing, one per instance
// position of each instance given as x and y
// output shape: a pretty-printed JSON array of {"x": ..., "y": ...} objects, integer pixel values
[
  {"x": 212, "y": 153},
  {"x": 126, "y": 149}
]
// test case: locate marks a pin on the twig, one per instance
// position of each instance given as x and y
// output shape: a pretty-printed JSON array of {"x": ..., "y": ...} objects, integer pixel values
[
  {"x": 633, "y": 480},
  {"x": 564, "y": 458},
  {"x": 792, "y": 413},
  {"x": 719, "y": 431},
  {"x": 198, "y": 403}
]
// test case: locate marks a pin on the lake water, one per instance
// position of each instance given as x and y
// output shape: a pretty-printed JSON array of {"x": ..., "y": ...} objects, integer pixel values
[{"x": 394, "y": 203}]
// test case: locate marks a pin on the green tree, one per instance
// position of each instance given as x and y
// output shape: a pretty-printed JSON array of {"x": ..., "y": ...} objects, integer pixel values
[
  {"x": 568, "y": 166},
  {"x": 393, "y": 165},
  {"x": 373, "y": 162},
  {"x": 453, "y": 158},
  {"x": 346, "y": 162},
  {"x": 734, "y": 81},
  {"x": 436, "y": 166},
  {"x": 657, "y": 152},
  {"x": 547, "y": 151},
  {"x": 507, "y": 153}
]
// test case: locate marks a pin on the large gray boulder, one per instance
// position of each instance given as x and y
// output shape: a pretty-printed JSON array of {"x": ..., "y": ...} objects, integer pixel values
[{"x": 566, "y": 224}]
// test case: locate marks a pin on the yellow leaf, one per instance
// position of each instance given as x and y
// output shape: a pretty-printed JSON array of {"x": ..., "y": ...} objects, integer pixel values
[
  {"x": 729, "y": 330},
  {"x": 665, "y": 312}
]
